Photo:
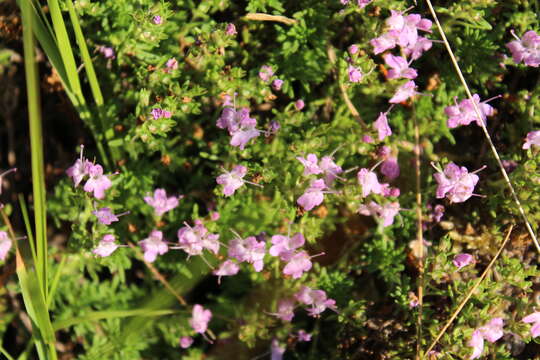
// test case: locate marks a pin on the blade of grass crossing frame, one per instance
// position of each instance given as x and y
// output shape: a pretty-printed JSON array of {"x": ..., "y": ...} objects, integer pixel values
[
  {"x": 29, "y": 232},
  {"x": 56, "y": 279}
]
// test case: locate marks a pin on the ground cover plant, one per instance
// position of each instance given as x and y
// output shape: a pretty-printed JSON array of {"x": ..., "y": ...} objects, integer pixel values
[{"x": 270, "y": 179}]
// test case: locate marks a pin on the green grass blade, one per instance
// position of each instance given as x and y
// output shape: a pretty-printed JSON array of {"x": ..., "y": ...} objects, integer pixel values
[
  {"x": 5, "y": 353},
  {"x": 110, "y": 314},
  {"x": 87, "y": 60},
  {"x": 55, "y": 281},
  {"x": 28, "y": 226}
]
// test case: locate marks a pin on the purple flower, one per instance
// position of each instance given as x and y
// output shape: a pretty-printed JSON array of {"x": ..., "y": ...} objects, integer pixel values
[
  {"x": 317, "y": 299},
  {"x": 248, "y": 250},
  {"x": 285, "y": 310},
  {"x": 193, "y": 240},
  {"x": 230, "y": 29},
  {"x": 105, "y": 216},
  {"x": 241, "y": 127},
  {"x": 353, "y": 49},
  {"x": 456, "y": 183},
  {"x": 404, "y": 92},
  {"x": 532, "y": 139},
  {"x": 362, "y": 4},
  {"x": 171, "y": 65},
  {"x": 416, "y": 50},
  {"x": 382, "y": 127},
  {"x": 462, "y": 260},
  {"x": 313, "y": 196},
  {"x": 385, "y": 213},
  {"x": 227, "y": 268},
  {"x": 160, "y": 202},
  {"x": 367, "y": 139},
  {"x": 186, "y": 341},
  {"x": 284, "y": 246},
  {"x": 158, "y": 113},
  {"x": 276, "y": 350},
  {"x": 299, "y": 104},
  {"x": 384, "y": 42},
  {"x": 277, "y": 84},
  {"x": 491, "y": 332},
  {"x": 200, "y": 318},
  {"x": 303, "y": 336},
  {"x": 438, "y": 213},
  {"x": 390, "y": 168},
  {"x": 153, "y": 246},
  {"x": 298, "y": 264},
  {"x": 107, "y": 52},
  {"x": 266, "y": 73},
  {"x": 399, "y": 68},
  {"x": 330, "y": 169},
  {"x": 310, "y": 163},
  {"x": 97, "y": 183},
  {"x": 5, "y": 245},
  {"x": 526, "y": 49},
  {"x": 533, "y": 318},
  {"x": 355, "y": 74},
  {"x": 232, "y": 180},
  {"x": 464, "y": 113},
  {"x": 157, "y": 20},
  {"x": 273, "y": 128},
  {"x": 77, "y": 171},
  {"x": 106, "y": 246},
  {"x": 369, "y": 182}
]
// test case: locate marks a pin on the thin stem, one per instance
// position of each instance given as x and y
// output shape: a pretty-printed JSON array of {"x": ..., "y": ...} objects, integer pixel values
[
  {"x": 484, "y": 129},
  {"x": 420, "y": 238},
  {"x": 471, "y": 291}
]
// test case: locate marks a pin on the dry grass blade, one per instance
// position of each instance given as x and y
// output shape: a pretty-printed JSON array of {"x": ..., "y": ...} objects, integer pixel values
[
  {"x": 469, "y": 294},
  {"x": 266, "y": 17},
  {"x": 484, "y": 129}
]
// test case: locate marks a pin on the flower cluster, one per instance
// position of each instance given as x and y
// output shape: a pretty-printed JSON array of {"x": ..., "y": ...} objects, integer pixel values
[
  {"x": 97, "y": 183},
  {"x": 161, "y": 203},
  {"x": 314, "y": 194},
  {"x": 491, "y": 332},
  {"x": 285, "y": 247},
  {"x": 464, "y": 112},
  {"x": 456, "y": 183},
  {"x": 241, "y": 127}
]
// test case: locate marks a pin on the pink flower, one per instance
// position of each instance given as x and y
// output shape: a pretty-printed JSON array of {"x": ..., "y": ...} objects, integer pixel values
[
  {"x": 193, "y": 240},
  {"x": 384, "y": 42},
  {"x": 533, "y": 318},
  {"x": 277, "y": 84},
  {"x": 77, "y": 171},
  {"x": 491, "y": 332},
  {"x": 330, "y": 169},
  {"x": 353, "y": 49},
  {"x": 276, "y": 350},
  {"x": 5, "y": 245},
  {"x": 106, "y": 246},
  {"x": 232, "y": 180},
  {"x": 299, "y": 104},
  {"x": 313, "y": 196},
  {"x": 97, "y": 183},
  {"x": 477, "y": 343},
  {"x": 362, "y": 4},
  {"x": 159, "y": 113},
  {"x": 462, "y": 260},
  {"x": 355, "y": 74},
  {"x": 385, "y": 213},
  {"x": 227, "y": 268},
  {"x": 464, "y": 113},
  {"x": 367, "y": 139},
  {"x": 285, "y": 310},
  {"x": 310, "y": 163},
  {"x": 317, "y": 299},
  {"x": 414, "y": 51},
  {"x": 186, "y": 341},
  {"x": 382, "y": 127},
  {"x": 298, "y": 264},
  {"x": 157, "y": 20},
  {"x": 399, "y": 67},
  {"x": 369, "y": 182},
  {"x": 404, "y": 92},
  {"x": 248, "y": 250},
  {"x": 438, "y": 213},
  {"x": 266, "y": 73},
  {"x": 526, "y": 49},
  {"x": 200, "y": 318},
  {"x": 107, "y": 52},
  {"x": 241, "y": 127},
  {"x": 230, "y": 30},
  {"x": 390, "y": 168},
  {"x": 533, "y": 138},
  {"x": 105, "y": 216},
  {"x": 456, "y": 183},
  {"x": 160, "y": 202},
  {"x": 284, "y": 246},
  {"x": 171, "y": 65},
  {"x": 303, "y": 336},
  {"x": 153, "y": 246}
]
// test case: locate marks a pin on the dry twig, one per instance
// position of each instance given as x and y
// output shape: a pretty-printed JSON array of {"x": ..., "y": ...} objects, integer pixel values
[{"x": 267, "y": 17}]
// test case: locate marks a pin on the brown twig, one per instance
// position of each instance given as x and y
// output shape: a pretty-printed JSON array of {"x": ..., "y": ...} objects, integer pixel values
[
  {"x": 483, "y": 126},
  {"x": 471, "y": 291},
  {"x": 267, "y": 17},
  {"x": 158, "y": 276}
]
